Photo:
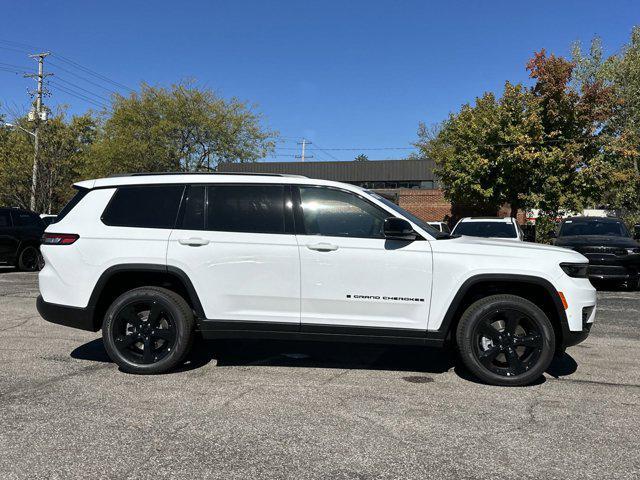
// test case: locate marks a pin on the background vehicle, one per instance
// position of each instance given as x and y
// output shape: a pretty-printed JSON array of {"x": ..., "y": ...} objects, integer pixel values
[
  {"x": 489, "y": 227},
  {"x": 613, "y": 254},
  {"x": 20, "y": 232},
  {"x": 48, "y": 219},
  {"x": 151, "y": 259},
  {"x": 440, "y": 226}
]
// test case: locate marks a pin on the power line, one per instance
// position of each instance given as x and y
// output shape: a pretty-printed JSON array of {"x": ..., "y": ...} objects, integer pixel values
[
  {"x": 95, "y": 84},
  {"x": 91, "y": 72},
  {"x": 79, "y": 95},
  {"x": 83, "y": 89}
]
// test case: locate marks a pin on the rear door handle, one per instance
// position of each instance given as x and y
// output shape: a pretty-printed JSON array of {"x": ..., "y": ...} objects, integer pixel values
[
  {"x": 193, "y": 242},
  {"x": 322, "y": 247}
]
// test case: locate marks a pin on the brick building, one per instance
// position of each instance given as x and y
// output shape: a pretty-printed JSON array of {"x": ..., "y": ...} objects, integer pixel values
[{"x": 409, "y": 183}]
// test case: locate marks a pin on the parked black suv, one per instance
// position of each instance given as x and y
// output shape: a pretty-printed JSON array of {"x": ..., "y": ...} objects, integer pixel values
[
  {"x": 613, "y": 254},
  {"x": 20, "y": 233}
]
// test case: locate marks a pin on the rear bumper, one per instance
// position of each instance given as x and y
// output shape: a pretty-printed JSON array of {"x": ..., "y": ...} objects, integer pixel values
[{"x": 75, "y": 317}]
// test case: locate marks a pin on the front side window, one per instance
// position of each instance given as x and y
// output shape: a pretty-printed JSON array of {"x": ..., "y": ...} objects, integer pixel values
[
  {"x": 336, "y": 213},
  {"x": 148, "y": 206},
  {"x": 486, "y": 229},
  {"x": 246, "y": 208}
]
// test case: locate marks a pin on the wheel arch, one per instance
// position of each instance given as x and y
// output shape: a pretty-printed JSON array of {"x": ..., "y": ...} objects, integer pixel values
[
  {"x": 536, "y": 289},
  {"x": 119, "y": 278}
]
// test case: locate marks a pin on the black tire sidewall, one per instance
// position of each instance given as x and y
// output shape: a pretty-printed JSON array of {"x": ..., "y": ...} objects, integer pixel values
[
  {"x": 183, "y": 322},
  {"x": 465, "y": 339},
  {"x": 21, "y": 265}
]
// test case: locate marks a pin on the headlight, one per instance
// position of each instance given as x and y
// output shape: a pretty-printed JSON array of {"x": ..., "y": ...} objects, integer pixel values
[
  {"x": 633, "y": 250},
  {"x": 575, "y": 270}
]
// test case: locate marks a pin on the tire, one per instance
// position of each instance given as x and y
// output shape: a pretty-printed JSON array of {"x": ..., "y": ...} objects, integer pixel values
[
  {"x": 30, "y": 259},
  {"x": 505, "y": 340},
  {"x": 148, "y": 330}
]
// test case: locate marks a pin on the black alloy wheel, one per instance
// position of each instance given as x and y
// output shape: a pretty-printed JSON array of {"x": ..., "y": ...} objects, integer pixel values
[
  {"x": 30, "y": 259},
  {"x": 144, "y": 331},
  {"x": 505, "y": 340},
  {"x": 508, "y": 342},
  {"x": 148, "y": 330}
]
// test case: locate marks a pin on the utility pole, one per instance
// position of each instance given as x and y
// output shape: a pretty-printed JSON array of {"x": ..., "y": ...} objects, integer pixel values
[
  {"x": 304, "y": 143},
  {"x": 37, "y": 117}
]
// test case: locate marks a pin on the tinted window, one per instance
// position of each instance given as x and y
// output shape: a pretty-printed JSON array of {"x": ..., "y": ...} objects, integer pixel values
[
  {"x": 48, "y": 221},
  {"x": 26, "y": 219},
  {"x": 593, "y": 227},
  {"x": 337, "y": 213},
  {"x": 246, "y": 208},
  {"x": 486, "y": 229},
  {"x": 5, "y": 220},
  {"x": 146, "y": 207},
  {"x": 194, "y": 209},
  {"x": 80, "y": 194}
]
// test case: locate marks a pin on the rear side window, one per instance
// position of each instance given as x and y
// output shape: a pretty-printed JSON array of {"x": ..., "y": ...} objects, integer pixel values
[
  {"x": 25, "y": 219},
  {"x": 80, "y": 194},
  {"x": 246, "y": 208},
  {"x": 152, "y": 206}
]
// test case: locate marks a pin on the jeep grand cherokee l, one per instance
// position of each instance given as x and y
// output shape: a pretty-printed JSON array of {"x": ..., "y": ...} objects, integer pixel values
[{"x": 154, "y": 260}]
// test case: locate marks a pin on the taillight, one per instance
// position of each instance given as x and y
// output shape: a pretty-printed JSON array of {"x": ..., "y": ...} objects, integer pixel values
[{"x": 59, "y": 238}]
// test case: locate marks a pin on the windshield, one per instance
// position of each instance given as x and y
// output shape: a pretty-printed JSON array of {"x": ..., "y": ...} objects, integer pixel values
[
  {"x": 593, "y": 227},
  {"x": 421, "y": 223},
  {"x": 486, "y": 229}
]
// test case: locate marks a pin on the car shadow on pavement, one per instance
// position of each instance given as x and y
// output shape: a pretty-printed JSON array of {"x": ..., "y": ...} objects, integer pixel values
[
  {"x": 294, "y": 354},
  {"x": 348, "y": 356}
]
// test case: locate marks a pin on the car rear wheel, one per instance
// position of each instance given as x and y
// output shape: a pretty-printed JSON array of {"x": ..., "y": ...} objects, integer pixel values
[
  {"x": 30, "y": 259},
  {"x": 505, "y": 340},
  {"x": 148, "y": 330}
]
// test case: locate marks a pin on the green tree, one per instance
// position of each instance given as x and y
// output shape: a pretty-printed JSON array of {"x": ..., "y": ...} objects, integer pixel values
[
  {"x": 618, "y": 172},
  {"x": 64, "y": 144},
  {"x": 182, "y": 128},
  {"x": 361, "y": 158}
]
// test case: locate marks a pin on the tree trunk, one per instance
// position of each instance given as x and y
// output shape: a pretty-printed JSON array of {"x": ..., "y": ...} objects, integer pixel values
[{"x": 514, "y": 210}]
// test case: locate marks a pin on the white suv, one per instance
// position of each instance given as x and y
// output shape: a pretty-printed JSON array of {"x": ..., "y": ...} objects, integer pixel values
[
  {"x": 154, "y": 260},
  {"x": 489, "y": 227}
]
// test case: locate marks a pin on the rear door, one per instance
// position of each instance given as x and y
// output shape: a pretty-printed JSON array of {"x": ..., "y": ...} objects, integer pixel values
[
  {"x": 351, "y": 275},
  {"x": 237, "y": 245}
]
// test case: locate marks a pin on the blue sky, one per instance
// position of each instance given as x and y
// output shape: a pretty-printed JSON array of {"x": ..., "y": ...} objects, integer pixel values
[{"x": 346, "y": 74}]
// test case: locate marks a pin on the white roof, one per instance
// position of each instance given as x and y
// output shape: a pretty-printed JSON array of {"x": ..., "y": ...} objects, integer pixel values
[
  {"x": 157, "y": 179},
  {"x": 489, "y": 219}
]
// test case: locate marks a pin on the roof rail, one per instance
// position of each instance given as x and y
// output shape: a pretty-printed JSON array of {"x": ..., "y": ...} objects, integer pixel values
[{"x": 116, "y": 175}]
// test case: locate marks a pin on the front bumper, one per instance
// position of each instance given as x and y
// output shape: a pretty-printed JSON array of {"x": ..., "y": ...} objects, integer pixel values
[
  {"x": 74, "y": 317},
  {"x": 612, "y": 272}
]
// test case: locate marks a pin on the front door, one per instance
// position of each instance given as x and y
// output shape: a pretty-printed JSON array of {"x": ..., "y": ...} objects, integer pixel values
[
  {"x": 236, "y": 243},
  {"x": 351, "y": 276}
]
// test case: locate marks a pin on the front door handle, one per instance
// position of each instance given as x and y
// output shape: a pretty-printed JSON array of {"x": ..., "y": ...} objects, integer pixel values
[
  {"x": 193, "y": 242},
  {"x": 322, "y": 247}
]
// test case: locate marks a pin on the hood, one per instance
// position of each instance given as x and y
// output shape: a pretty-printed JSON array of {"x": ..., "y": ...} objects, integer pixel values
[
  {"x": 504, "y": 243},
  {"x": 595, "y": 241}
]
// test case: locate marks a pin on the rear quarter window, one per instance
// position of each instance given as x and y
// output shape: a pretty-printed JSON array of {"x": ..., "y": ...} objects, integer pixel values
[{"x": 148, "y": 206}]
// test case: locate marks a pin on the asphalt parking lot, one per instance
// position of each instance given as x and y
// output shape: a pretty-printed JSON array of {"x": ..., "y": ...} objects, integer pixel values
[{"x": 334, "y": 411}]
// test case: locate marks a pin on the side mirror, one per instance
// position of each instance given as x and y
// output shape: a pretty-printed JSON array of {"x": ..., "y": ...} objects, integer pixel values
[
  {"x": 399, "y": 229},
  {"x": 553, "y": 234}
]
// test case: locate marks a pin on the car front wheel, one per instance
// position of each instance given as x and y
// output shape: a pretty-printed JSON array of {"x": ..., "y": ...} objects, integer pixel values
[
  {"x": 505, "y": 340},
  {"x": 148, "y": 330}
]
